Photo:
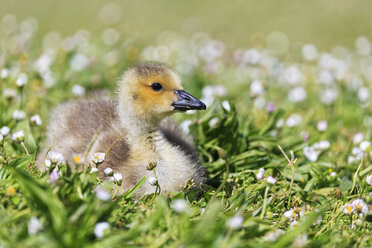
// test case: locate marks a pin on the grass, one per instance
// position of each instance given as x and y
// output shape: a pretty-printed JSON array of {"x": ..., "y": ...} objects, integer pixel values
[{"x": 234, "y": 140}]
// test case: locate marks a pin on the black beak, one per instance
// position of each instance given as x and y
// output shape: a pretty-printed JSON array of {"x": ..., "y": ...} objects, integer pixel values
[{"x": 187, "y": 102}]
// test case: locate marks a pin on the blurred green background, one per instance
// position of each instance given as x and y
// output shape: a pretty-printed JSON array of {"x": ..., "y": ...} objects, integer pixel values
[{"x": 237, "y": 22}]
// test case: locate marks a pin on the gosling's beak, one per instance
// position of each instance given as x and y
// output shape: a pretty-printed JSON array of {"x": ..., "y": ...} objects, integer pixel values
[{"x": 187, "y": 102}]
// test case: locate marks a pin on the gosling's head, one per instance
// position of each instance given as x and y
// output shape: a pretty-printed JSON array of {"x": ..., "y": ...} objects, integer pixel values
[{"x": 154, "y": 92}]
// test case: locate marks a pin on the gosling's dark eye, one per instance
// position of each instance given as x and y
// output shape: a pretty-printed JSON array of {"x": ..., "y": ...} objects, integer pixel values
[{"x": 156, "y": 86}]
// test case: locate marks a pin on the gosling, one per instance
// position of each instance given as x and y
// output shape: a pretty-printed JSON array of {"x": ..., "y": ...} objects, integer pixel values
[{"x": 132, "y": 130}]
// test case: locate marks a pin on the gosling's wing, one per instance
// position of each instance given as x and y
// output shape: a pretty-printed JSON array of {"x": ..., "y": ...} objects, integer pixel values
[{"x": 74, "y": 124}]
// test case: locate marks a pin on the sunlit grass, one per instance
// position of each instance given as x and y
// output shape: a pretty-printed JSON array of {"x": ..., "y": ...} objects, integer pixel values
[{"x": 256, "y": 101}]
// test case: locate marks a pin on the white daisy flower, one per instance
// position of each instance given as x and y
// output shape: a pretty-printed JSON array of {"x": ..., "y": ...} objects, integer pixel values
[
  {"x": 9, "y": 93},
  {"x": 235, "y": 222},
  {"x": 34, "y": 226},
  {"x": 271, "y": 179},
  {"x": 260, "y": 174},
  {"x": 220, "y": 90},
  {"x": 108, "y": 171},
  {"x": 328, "y": 96},
  {"x": 293, "y": 224},
  {"x": 326, "y": 77},
  {"x": 257, "y": 88},
  {"x": 78, "y": 90},
  {"x": 4, "y": 130},
  {"x": 18, "y": 136},
  {"x": 78, "y": 158},
  {"x": 4, "y": 73},
  {"x": 297, "y": 94},
  {"x": 351, "y": 159},
  {"x": 213, "y": 122},
  {"x": 47, "y": 163},
  {"x": 93, "y": 170},
  {"x": 79, "y": 62},
  {"x": 348, "y": 209},
  {"x": 21, "y": 80},
  {"x": 321, "y": 145},
  {"x": 292, "y": 75},
  {"x": 252, "y": 56},
  {"x": 369, "y": 179},
  {"x": 56, "y": 158},
  {"x": 294, "y": 120},
  {"x": 305, "y": 136},
  {"x": 270, "y": 107},
  {"x": 357, "y": 152},
  {"x": 99, "y": 157},
  {"x": 152, "y": 181},
  {"x": 363, "y": 94},
  {"x": 273, "y": 133},
  {"x": 36, "y": 120},
  {"x": 360, "y": 206},
  {"x": 18, "y": 115},
  {"x": 54, "y": 176},
  {"x": 118, "y": 177},
  {"x": 226, "y": 105},
  {"x": 100, "y": 228},
  {"x": 319, "y": 220},
  {"x": 180, "y": 205},
  {"x": 102, "y": 194},
  {"x": 310, "y": 153},
  {"x": 309, "y": 52},
  {"x": 365, "y": 146},
  {"x": 280, "y": 123},
  {"x": 290, "y": 214},
  {"x": 322, "y": 126},
  {"x": 358, "y": 138}
]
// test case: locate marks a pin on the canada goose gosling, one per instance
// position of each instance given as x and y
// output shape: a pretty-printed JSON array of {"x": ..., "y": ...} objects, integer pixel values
[{"x": 147, "y": 94}]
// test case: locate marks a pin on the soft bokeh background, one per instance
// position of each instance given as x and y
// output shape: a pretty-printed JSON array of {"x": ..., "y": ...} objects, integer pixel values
[
  {"x": 237, "y": 22},
  {"x": 294, "y": 73}
]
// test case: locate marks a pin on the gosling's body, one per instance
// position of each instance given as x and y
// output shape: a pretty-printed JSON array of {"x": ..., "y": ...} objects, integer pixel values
[{"x": 131, "y": 128}]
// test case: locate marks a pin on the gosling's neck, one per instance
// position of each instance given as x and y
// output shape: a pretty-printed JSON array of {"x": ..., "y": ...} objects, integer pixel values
[{"x": 139, "y": 131}]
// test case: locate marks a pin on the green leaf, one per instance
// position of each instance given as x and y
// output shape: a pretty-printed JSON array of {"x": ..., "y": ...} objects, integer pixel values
[
  {"x": 42, "y": 200},
  {"x": 19, "y": 163},
  {"x": 135, "y": 188},
  {"x": 345, "y": 184}
]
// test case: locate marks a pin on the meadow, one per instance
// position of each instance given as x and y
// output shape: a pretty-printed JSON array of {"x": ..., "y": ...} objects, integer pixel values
[{"x": 285, "y": 140}]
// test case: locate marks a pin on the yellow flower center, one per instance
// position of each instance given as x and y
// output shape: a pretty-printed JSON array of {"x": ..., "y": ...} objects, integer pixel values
[
  {"x": 330, "y": 170},
  {"x": 349, "y": 208},
  {"x": 10, "y": 191},
  {"x": 77, "y": 159}
]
